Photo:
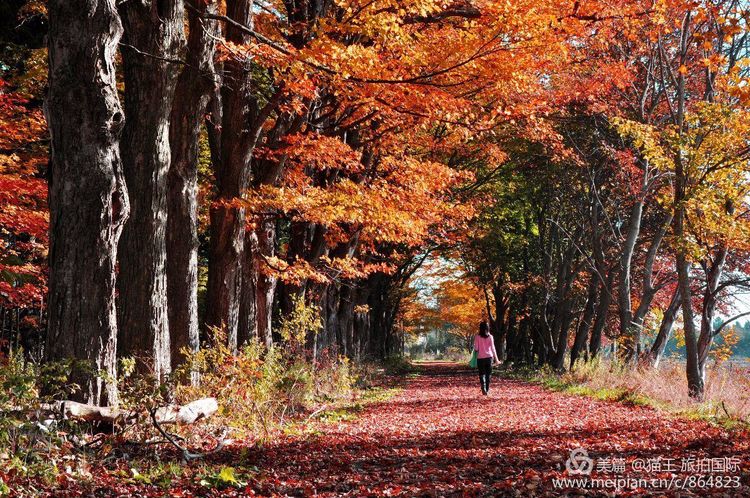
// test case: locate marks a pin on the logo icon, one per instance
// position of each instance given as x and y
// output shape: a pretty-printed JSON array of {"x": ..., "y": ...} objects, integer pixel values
[{"x": 579, "y": 462}]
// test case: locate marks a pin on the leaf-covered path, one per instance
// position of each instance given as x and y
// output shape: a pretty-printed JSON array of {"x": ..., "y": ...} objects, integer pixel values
[{"x": 441, "y": 437}]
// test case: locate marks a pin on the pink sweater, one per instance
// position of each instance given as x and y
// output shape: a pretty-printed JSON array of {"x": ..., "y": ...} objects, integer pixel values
[{"x": 485, "y": 346}]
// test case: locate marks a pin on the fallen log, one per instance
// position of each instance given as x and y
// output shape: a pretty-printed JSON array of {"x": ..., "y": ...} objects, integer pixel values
[
  {"x": 172, "y": 414},
  {"x": 187, "y": 414},
  {"x": 90, "y": 413}
]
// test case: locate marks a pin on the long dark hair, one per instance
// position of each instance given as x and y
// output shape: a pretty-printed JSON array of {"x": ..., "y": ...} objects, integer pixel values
[{"x": 484, "y": 330}]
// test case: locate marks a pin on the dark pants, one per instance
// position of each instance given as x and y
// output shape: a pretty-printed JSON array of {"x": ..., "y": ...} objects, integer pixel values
[{"x": 484, "y": 365}]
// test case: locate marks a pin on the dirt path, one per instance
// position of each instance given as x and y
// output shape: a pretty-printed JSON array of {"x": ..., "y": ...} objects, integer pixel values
[{"x": 441, "y": 437}]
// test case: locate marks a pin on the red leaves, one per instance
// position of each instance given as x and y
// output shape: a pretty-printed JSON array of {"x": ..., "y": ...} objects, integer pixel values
[
  {"x": 24, "y": 219},
  {"x": 441, "y": 437}
]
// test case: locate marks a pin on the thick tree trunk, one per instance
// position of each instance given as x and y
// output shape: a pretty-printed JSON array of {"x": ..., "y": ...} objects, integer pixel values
[
  {"x": 88, "y": 200},
  {"x": 224, "y": 270},
  {"x": 500, "y": 329},
  {"x": 265, "y": 293},
  {"x": 692, "y": 365},
  {"x": 346, "y": 319},
  {"x": 563, "y": 313},
  {"x": 665, "y": 329},
  {"x": 188, "y": 109},
  {"x": 558, "y": 361},
  {"x": 153, "y": 35},
  {"x": 242, "y": 122},
  {"x": 378, "y": 294},
  {"x": 684, "y": 266},
  {"x": 263, "y": 236}
]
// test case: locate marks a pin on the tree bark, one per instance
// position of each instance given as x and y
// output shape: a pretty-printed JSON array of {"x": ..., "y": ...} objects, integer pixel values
[
  {"x": 153, "y": 35},
  {"x": 710, "y": 300},
  {"x": 500, "y": 330},
  {"x": 684, "y": 266},
  {"x": 582, "y": 333},
  {"x": 648, "y": 288},
  {"x": 629, "y": 334},
  {"x": 191, "y": 99},
  {"x": 606, "y": 283},
  {"x": 88, "y": 200},
  {"x": 665, "y": 329},
  {"x": 266, "y": 290},
  {"x": 605, "y": 298},
  {"x": 242, "y": 121}
]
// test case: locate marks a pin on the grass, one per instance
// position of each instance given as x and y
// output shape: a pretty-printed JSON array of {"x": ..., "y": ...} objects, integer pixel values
[
  {"x": 350, "y": 411},
  {"x": 726, "y": 401},
  {"x": 343, "y": 411}
]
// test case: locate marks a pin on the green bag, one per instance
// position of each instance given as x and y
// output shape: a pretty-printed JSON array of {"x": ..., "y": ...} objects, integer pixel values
[{"x": 473, "y": 360}]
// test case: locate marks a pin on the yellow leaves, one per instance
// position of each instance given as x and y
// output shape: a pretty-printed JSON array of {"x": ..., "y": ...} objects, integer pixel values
[
  {"x": 723, "y": 351},
  {"x": 683, "y": 70},
  {"x": 647, "y": 140},
  {"x": 713, "y": 150}
]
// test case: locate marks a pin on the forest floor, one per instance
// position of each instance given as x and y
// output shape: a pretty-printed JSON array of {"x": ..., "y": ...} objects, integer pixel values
[{"x": 440, "y": 437}]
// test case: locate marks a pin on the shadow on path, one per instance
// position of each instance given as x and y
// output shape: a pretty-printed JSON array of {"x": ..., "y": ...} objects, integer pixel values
[{"x": 441, "y": 437}]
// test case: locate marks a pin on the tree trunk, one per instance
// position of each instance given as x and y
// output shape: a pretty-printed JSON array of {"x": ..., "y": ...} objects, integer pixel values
[
  {"x": 262, "y": 236},
  {"x": 263, "y": 245},
  {"x": 629, "y": 334},
  {"x": 684, "y": 266},
  {"x": 247, "y": 326},
  {"x": 239, "y": 132},
  {"x": 346, "y": 318},
  {"x": 558, "y": 361},
  {"x": 605, "y": 298},
  {"x": 582, "y": 334},
  {"x": 153, "y": 34},
  {"x": 665, "y": 329},
  {"x": 648, "y": 289},
  {"x": 191, "y": 99},
  {"x": 266, "y": 287},
  {"x": 88, "y": 200},
  {"x": 563, "y": 313},
  {"x": 692, "y": 366},
  {"x": 500, "y": 329},
  {"x": 708, "y": 313}
]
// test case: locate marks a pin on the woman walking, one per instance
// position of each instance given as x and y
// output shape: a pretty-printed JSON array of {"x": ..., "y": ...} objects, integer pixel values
[{"x": 484, "y": 345}]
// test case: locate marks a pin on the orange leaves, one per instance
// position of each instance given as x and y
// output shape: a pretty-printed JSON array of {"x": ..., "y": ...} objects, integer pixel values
[
  {"x": 311, "y": 150},
  {"x": 322, "y": 271},
  {"x": 401, "y": 204},
  {"x": 461, "y": 305}
]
